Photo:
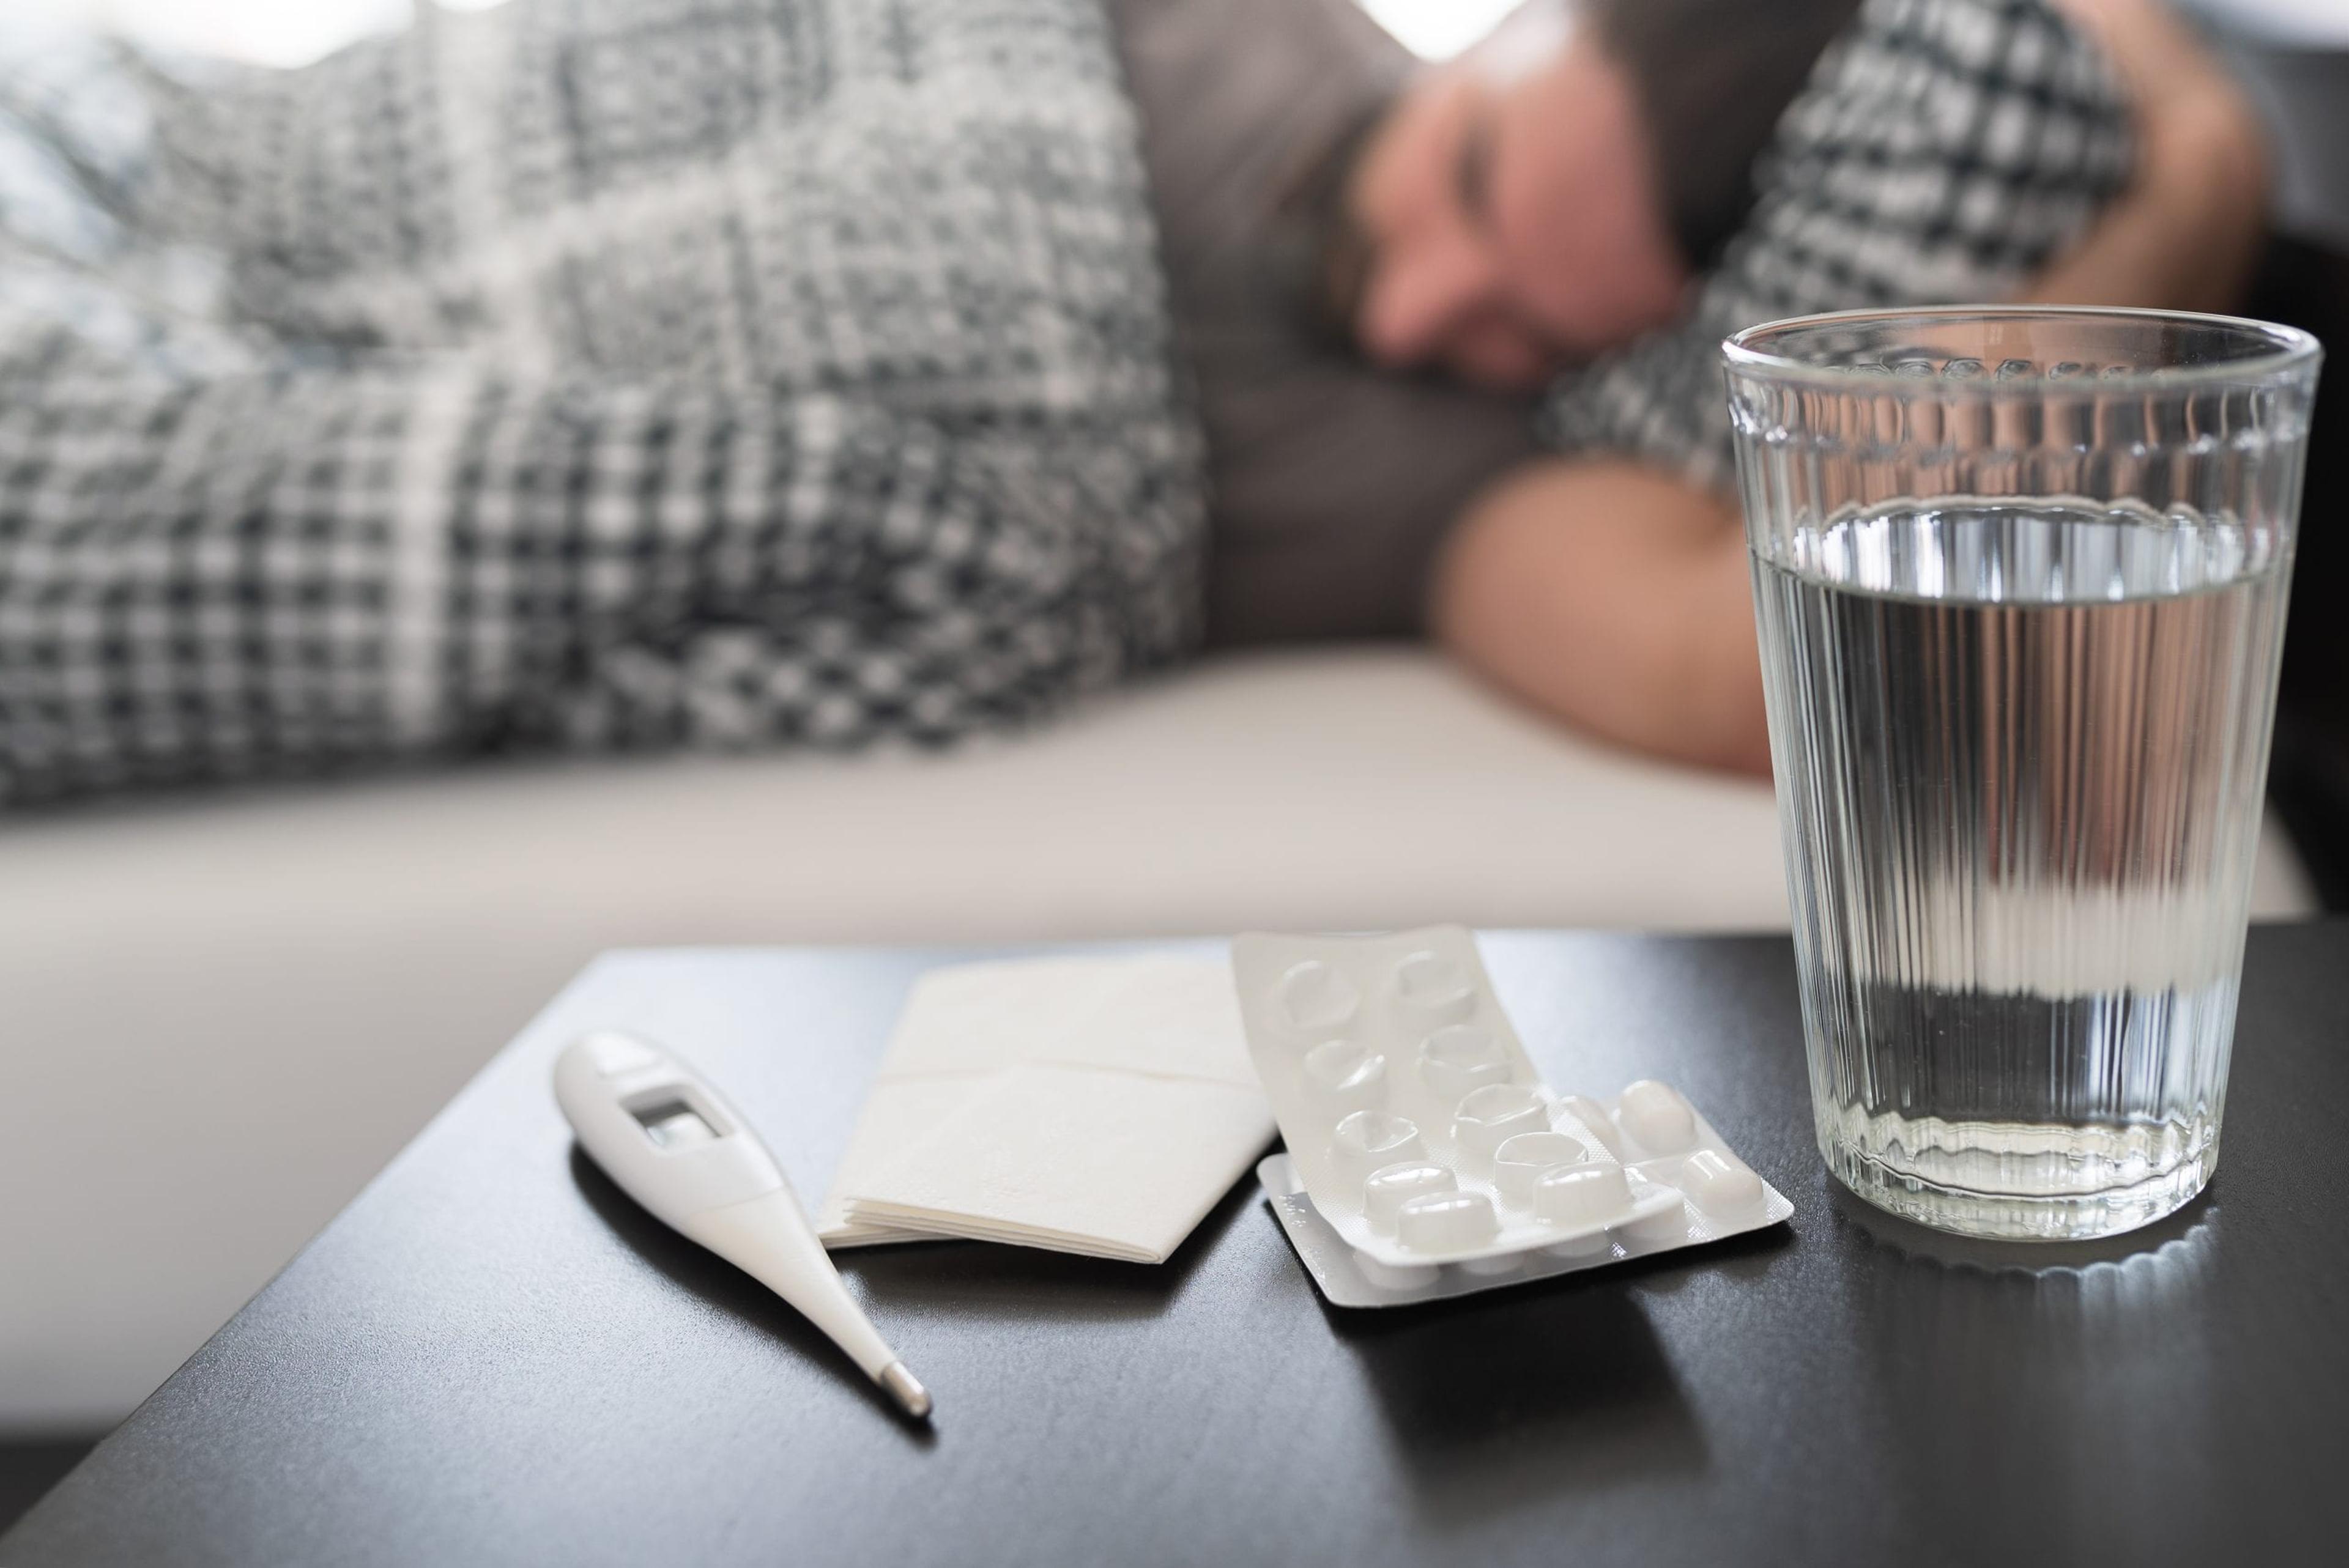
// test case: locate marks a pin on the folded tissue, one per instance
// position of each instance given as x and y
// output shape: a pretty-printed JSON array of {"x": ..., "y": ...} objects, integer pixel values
[{"x": 1099, "y": 1105}]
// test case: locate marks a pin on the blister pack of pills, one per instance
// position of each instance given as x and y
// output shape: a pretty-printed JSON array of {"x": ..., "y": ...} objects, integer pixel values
[{"x": 1426, "y": 1159}]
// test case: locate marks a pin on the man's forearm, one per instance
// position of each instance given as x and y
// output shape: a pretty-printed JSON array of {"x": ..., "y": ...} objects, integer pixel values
[
  {"x": 1613, "y": 597},
  {"x": 2183, "y": 239}
]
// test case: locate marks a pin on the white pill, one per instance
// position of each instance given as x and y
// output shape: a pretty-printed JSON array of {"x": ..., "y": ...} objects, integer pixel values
[
  {"x": 1462, "y": 1057},
  {"x": 1389, "y": 1187},
  {"x": 1667, "y": 1226},
  {"x": 1579, "y": 1195},
  {"x": 1433, "y": 989},
  {"x": 1446, "y": 1222},
  {"x": 1719, "y": 1185},
  {"x": 1502, "y": 1264},
  {"x": 1316, "y": 996},
  {"x": 1656, "y": 1118},
  {"x": 1346, "y": 1076},
  {"x": 1593, "y": 1117},
  {"x": 1370, "y": 1139},
  {"x": 1489, "y": 1117},
  {"x": 1518, "y": 1161},
  {"x": 1395, "y": 1277}
]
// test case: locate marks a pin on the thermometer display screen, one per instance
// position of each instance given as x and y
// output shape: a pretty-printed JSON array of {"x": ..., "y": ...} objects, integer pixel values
[{"x": 673, "y": 1124}]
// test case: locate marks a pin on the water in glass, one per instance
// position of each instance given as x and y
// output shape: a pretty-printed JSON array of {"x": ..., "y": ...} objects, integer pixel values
[{"x": 2020, "y": 749}]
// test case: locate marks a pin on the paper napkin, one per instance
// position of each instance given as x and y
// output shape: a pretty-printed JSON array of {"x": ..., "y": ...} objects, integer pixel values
[{"x": 1089, "y": 1105}]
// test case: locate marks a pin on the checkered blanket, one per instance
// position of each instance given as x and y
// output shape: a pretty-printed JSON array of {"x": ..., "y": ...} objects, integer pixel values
[
  {"x": 597, "y": 372},
  {"x": 1942, "y": 152}
]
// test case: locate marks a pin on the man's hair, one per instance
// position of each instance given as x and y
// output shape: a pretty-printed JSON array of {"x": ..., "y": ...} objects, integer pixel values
[
  {"x": 1319, "y": 240},
  {"x": 1712, "y": 78}
]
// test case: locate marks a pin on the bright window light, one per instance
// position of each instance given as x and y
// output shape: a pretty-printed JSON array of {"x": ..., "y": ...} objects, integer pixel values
[
  {"x": 264, "y": 32},
  {"x": 1439, "y": 29}
]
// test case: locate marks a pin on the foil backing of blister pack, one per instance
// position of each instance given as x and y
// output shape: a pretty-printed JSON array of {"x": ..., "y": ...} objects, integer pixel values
[{"x": 1423, "y": 1146}]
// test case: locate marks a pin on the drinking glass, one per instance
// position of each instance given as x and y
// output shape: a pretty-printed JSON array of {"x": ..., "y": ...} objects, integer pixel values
[{"x": 2020, "y": 576}]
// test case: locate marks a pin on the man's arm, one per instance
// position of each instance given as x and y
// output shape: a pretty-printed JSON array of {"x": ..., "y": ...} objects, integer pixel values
[{"x": 1616, "y": 597}]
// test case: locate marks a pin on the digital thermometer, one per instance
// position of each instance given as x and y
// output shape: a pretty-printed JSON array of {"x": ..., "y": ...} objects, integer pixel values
[{"x": 669, "y": 1140}]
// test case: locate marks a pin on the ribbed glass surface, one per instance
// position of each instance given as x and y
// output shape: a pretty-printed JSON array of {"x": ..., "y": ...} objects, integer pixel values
[{"x": 2021, "y": 667}]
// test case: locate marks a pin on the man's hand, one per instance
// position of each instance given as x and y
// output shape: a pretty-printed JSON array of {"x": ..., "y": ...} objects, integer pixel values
[{"x": 2185, "y": 234}]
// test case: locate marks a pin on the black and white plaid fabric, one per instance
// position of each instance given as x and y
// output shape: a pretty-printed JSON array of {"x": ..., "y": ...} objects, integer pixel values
[
  {"x": 603, "y": 372},
  {"x": 725, "y": 372},
  {"x": 1943, "y": 150}
]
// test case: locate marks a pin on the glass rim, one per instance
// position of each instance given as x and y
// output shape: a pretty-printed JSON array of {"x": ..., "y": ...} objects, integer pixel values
[{"x": 2287, "y": 348}]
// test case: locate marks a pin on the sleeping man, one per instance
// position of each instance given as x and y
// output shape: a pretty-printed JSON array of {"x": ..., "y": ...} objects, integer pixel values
[
  {"x": 632, "y": 372},
  {"x": 1938, "y": 153}
]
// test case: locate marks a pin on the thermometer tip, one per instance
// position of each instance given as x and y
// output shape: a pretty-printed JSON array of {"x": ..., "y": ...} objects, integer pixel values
[{"x": 904, "y": 1388}]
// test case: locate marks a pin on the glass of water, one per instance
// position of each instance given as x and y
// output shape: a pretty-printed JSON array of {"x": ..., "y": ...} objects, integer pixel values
[{"x": 2020, "y": 576}]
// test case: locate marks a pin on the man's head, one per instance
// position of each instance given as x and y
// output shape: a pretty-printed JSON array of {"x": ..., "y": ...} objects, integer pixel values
[{"x": 1550, "y": 195}]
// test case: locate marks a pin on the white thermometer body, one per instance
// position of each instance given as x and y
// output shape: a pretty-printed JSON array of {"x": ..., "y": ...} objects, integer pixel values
[{"x": 671, "y": 1142}]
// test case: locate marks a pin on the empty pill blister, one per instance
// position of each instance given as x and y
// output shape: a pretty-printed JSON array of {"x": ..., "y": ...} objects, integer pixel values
[{"x": 1426, "y": 1158}]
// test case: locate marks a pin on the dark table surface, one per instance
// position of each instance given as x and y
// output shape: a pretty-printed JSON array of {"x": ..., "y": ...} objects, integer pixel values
[{"x": 492, "y": 1357}]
